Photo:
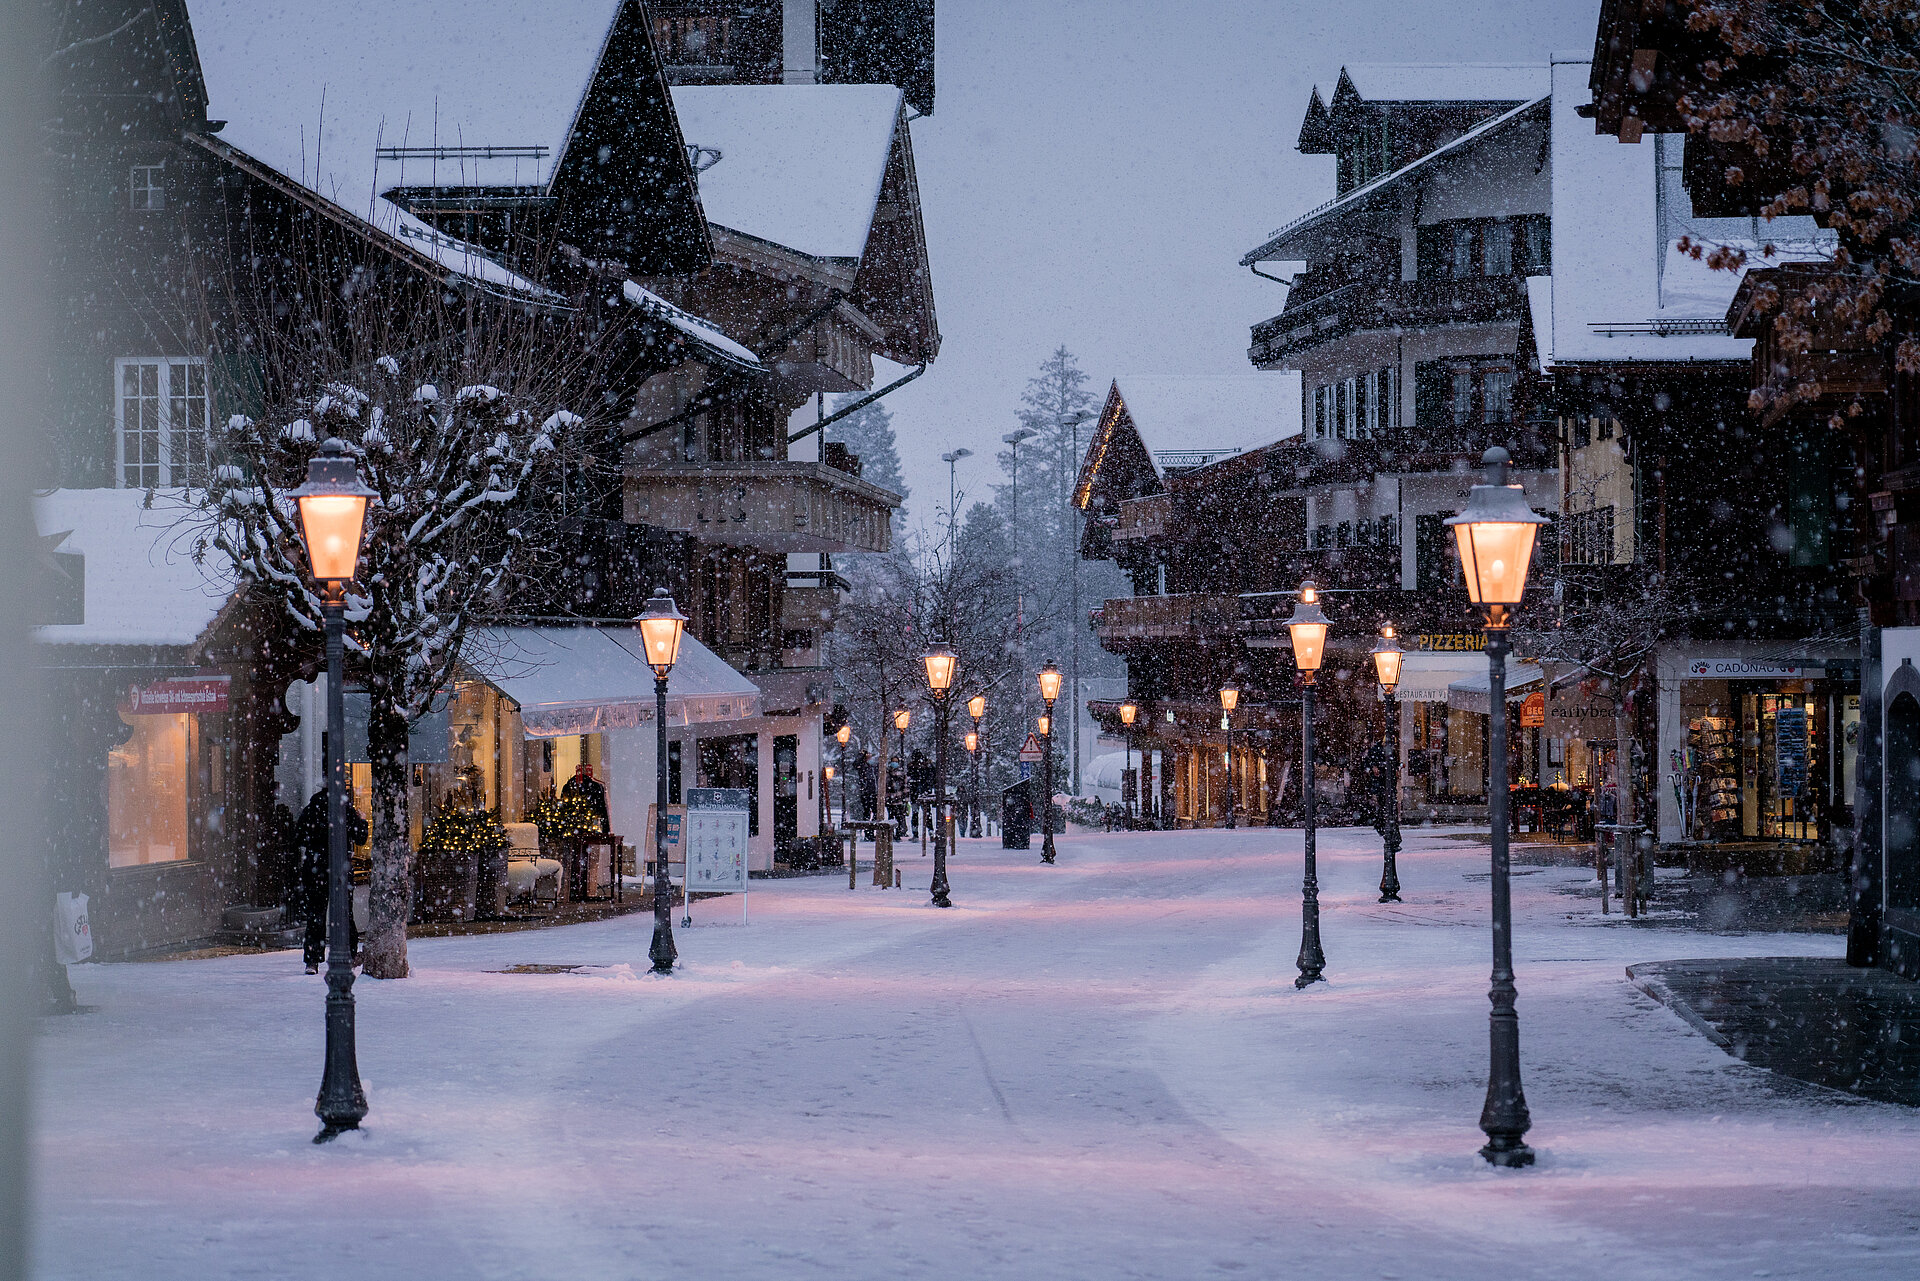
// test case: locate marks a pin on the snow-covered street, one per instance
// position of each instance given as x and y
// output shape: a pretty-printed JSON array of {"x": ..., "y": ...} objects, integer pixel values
[{"x": 1099, "y": 1069}]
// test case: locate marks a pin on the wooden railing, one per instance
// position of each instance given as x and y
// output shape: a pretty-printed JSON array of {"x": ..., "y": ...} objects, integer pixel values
[{"x": 1189, "y": 617}]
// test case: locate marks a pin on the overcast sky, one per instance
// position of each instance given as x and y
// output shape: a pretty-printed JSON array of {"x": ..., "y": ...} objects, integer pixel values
[{"x": 1095, "y": 168}]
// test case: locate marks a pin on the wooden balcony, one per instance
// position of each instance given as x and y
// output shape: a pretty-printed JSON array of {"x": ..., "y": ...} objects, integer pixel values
[
  {"x": 1194, "y": 618},
  {"x": 1143, "y": 518},
  {"x": 1392, "y": 304},
  {"x": 773, "y": 506}
]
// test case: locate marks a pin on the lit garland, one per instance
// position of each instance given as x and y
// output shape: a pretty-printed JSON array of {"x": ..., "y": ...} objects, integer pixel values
[
  {"x": 464, "y": 831},
  {"x": 562, "y": 817}
]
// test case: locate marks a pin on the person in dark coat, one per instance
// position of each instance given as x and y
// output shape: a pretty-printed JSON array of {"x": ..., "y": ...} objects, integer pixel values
[
  {"x": 589, "y": 789},
  {"x": 310, "y": 833}
]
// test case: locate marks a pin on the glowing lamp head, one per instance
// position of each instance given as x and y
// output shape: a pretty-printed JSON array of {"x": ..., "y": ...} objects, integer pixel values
[
  {"x": 977, "y": 706},
  {"x": 1046, "y": 726},
  {"x": 1495, "y": 532},
  {"x": 901, "y": 719},
  {"x": 661, "y": 626},
  {"x": 1127, "y": 713},
  {"x": 1050, "y": 682},
  {"x": 829, "y": 773},
  {"x": 1386, "y": 659},
  {"x": 973, "y": 741},
  {"x": 333, "y": 513},
  {"x": 940, "y": 661},
  {"x": 844, "y": 734},
  {"x": 1308, "y": 628},
  {"x": 1229, "y": 698}
]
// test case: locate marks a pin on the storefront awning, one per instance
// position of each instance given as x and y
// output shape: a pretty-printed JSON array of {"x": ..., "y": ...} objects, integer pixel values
[
  {"x": 585, "y": 680},
  {"x": 1475, "y": 693},
  {"x": 1424, "y": 676}
]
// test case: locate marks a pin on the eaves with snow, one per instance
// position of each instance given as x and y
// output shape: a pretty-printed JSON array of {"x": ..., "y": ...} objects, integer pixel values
[
  {"x": 139, "y": 584},
  {"x": 1172, "y": 423}
]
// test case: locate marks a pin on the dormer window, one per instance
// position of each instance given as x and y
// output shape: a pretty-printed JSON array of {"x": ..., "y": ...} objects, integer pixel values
[{"x": 147, "y": 188}]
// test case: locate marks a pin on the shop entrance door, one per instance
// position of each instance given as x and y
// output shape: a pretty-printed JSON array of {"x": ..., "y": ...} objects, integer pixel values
[
  {"x": 786, "y": 796},
  {"x": 734, "y": 761}
]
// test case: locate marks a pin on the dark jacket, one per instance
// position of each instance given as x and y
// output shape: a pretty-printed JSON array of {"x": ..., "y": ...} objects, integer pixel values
[
  {"x": 310, "y": 831},
  {"x": 590, "y": 791}
]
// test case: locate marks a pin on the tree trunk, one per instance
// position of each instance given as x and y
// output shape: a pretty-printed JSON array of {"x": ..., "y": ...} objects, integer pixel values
[{"x": 383, "y": 948}]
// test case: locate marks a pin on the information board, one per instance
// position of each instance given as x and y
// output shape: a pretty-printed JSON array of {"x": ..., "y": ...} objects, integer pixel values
[
  {"x": 1790, "y": 749},
  {"x": 716, "y": 840}
]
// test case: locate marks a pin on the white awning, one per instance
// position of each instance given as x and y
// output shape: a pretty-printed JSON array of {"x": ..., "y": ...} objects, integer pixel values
[
  {"x": 1475, "y": 693},
  {"x": 1424, "y": 676},
  {"x": 585, "y": 680}
]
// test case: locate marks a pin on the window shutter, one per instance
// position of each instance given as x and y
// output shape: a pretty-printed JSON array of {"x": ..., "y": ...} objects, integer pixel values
[
  {"x": 1431, "y": 248},
  {"x": 1432, "y": 394}
]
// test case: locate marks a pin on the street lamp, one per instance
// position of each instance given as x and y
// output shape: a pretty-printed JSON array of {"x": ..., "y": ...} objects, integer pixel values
[
  {"x": 901, "y": 719},
  {"x": 1386, "y": 665},
  {"x": 952, "y": 461},
  {"x": 1049, "y": 691},
  {"x": 1128, "y": 711},
  {"x": 940, "y": 663},
  {"x": 1308, "y": 630},
  {"x": 1495, "y": 533},
  {"x": 843, "y": 736},
  {"x": 333, "y": 511},
  {"x": 1229, "y": 699},
  {"x": 976, "y": 708},
  {"x": 661, "y": 626}
]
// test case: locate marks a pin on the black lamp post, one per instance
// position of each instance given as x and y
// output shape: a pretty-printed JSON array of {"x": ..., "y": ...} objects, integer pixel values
[
  {"x": 976, "y": 708},
  {"x": 1495, "y": 534},
  {"x": 333, "y": 511},
  {"x": 843, "y": 736},
  {"x": 661, "y": 626},
  {"x": 901, "y": 719},
  {"x": 940, "y": 663},
  {"x": 1308, "y": 630},
  {"x": 1128, "y": 713},
  {"x": 1049, "y": 691},
  {"x": 1386, "y": 665},
  {"x": 1229, "y": 699}
]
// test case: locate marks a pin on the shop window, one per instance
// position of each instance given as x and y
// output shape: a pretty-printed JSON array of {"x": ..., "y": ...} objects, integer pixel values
[
  {"x": 162, "y": 421},
  {"x": 148, "y": 783}
]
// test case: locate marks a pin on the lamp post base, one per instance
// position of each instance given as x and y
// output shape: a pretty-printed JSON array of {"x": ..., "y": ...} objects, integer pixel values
[
  {"x": 662, "y": 952},
  {"x": 1508, "y": 1152}
]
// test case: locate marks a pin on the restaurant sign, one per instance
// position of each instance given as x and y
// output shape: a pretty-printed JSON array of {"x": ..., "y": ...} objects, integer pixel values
[
  {"x": 1452, "y": 642},
  {"x": 179, "y": 694},
  {"x": 1749, "y": 669},
  {"x": 1533, "y": 711}
]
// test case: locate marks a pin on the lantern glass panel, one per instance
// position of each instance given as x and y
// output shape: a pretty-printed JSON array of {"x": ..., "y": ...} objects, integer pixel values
[
  {"x": 940, "y": 663},
  {"x": 332, "y": 524},
  {"x": 1495, "y": 556},
  {"x": 1229, "y": 698},
  {"x": 977, "y": 706},
  {"x": 1127, "y": 713},
  {"x": 1050, "y": 682},
  {"x": 1309, "y": 644}
]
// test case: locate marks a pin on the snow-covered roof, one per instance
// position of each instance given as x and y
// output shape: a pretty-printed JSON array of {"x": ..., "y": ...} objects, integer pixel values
[
  {"x": 702, "y": 331},
  {"x": 315, "y": 91},
  {"x": 800, "y": 165},
  {"x": 1190, "y": 420},
  {"x": 1446, "y": 81},
  {"x": 1280, "y": 243},
  {"x": 142, "y": 586},
  {"x": 586, "y": 680},
  {"x": 1621, "y": 288}
]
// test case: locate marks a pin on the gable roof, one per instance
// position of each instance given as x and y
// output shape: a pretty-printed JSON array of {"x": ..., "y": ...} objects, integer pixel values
[
  {"x": 1183, "y": 421},
  {"x": 1441, "y": 81},
  {"x": 800, "y": 166},
  {"x": 354, "y": 98}
]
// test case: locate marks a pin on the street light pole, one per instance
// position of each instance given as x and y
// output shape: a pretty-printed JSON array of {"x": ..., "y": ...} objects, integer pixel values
[
  {"x": 333, "y": 509},
  {"x": 976, "y": 708},
  {"x": 1308, "y": 630},
  {"x": 1386, "y": 661},
  {"x": 1128, "y": 711},
  {"x": 1495, "y": 533},
  {"x": 940, "y": 663},
  {"x": 1049, "y": 691},
  {"x": 952, "y": 491},
  {"x": 1013, "y": 440},
  {"x": 1229, "y": 699},
  {"x": 901, "y": 719},
  {"x": 661, "y": 626}
]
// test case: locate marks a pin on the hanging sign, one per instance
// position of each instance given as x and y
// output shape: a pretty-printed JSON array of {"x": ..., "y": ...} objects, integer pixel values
[
  {"x": 1533, "y": 711},
  {"x": 1030, "y": 750},
  {"x": 179, "y": 694}
]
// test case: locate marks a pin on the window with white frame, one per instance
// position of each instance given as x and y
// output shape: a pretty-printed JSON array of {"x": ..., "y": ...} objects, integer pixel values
[
  {"x": 146, "y": 187},
  {"x": 163, "y": 419}
]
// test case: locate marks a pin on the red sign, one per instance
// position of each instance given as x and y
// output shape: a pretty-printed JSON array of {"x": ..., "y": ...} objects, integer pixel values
[
  {"x": 1533, "y": 712},
  {"x": 1030, "y": 750},
  {"x": 181, "y": 694}
]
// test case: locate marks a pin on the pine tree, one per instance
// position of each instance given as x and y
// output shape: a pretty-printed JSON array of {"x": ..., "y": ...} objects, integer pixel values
[{"x": 868, "y": 434}]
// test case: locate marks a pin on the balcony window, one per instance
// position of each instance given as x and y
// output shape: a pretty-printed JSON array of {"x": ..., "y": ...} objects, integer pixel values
[
  {"x": 1539, "y": 242},
  {"x": 162, "y": 418},
  {"x": 1462, "y": 260},
  {"x": 1498, "y": 389},
  {"x": 1496, "y": 258},
  {"x": 1462, "y": 397}
]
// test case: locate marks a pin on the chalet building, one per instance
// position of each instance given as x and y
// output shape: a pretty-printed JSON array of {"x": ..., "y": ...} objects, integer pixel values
[
  {"x": 1855, "y": 501},
  {"x": 187, "y": 711},
  {"x": 1172, "y": 488},
  {"x": 770, "y": 42},
  {"x": 1406, "y": 317}
]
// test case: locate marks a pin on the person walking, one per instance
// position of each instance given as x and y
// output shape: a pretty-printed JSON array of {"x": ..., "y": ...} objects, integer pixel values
[{"x": 310, "y": 834}]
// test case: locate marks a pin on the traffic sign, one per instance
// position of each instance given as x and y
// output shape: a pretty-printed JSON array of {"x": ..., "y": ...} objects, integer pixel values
[{"x": 1030, "y": 750}]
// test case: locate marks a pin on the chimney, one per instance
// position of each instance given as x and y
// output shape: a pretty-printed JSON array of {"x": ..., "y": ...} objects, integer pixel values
[{"x": 800, "y": 42}]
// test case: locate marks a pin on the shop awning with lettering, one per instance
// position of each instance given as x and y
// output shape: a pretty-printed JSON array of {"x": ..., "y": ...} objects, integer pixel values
[
  {"x": 586, "y": 680},
  {"x": 1475, "y": 693}
]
